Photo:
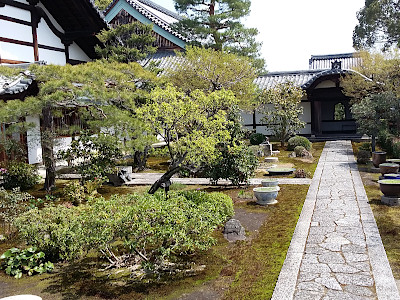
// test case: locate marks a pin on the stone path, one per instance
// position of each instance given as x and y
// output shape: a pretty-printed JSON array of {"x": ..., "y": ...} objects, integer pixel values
[
  {"x": 150, "y": 178},
  {"x": 336, "y": 251}
]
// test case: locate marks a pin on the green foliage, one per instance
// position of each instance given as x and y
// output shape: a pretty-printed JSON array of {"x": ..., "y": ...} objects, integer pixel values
[
  {"x": 242, "y": 194},
  {"x": 12, "y": 204},
  {"x": 56, "y": 230},
  {"x": 209, "y": 70},
  {"x": 102, "y": 4},
  {"x": 236, "y": 163},
  {"x": 283, "y": 110},
  {"x": 20, "y": 174},
  {"x": 191, "y": 125},
  {"x": 257, "y": 138},
  {"x": 365, "y": 147},
  {"x": 298, "y": 140},
  {"x": 299, "y": 150},
  {"x": 95, "y": 155},
  {"x": 378, "y": 24},
  {"x": 74, "y": 192},
  {"x": 127, "y": 42},
  {"x": 15, "y": 262},
  {"x": 217, "y": 24},
  {"x": 153, "y": 225},
  {"x": 363, "y": 156}
]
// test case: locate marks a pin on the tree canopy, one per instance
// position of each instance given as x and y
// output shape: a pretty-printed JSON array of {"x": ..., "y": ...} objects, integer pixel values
[
  {"x": 217, "y": 24},
  {"x": 191, "y": 125},
  {"x": 210, "y": 70},
  {"x": 281, "y": 106},
  {"x": 379, "y": 23}
]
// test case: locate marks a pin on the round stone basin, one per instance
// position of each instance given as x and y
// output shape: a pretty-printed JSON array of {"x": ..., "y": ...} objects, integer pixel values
[
  {"x": 270, "y": 182},
  {"x": 394, "y": 160},
  {"x": 392, "y": 176},
  {"x": 390, "y": 187},
  {"x": 280, "y": 171},
  {"x": 266, "y": 195},
  {"x": 387, "y": 168}
]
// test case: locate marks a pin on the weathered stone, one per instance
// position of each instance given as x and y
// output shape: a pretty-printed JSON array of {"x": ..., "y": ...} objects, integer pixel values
[
  {"x": 354, "y": 257},
  {"x": 234, "y": 231},
  {"x": 359, "y": 290},
  {"x": 329, "y": 282},
  {"x": 355, "y": 279},
  {"x": 308, "y": 295},
  {"x": 310, "y": 286},
  {"x": 332, "y": 257},
  {"x": 343, "y": 268}
]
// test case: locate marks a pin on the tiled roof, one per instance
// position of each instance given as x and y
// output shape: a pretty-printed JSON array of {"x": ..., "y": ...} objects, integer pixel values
[
  {"x": 166, "y": 60},
  {"x": 348, "y": 61},
  {"x": 157, "y": 14},
  {"x": 15, "y": 85}
]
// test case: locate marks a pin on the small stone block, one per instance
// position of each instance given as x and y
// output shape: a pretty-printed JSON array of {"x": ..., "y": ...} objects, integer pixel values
[{"x": 391, "y": 201}]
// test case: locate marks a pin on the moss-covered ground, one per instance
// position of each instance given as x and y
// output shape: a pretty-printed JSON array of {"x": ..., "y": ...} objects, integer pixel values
[
  {"x": 242, "y": 270},
  {"x": 387, "y": 217}
]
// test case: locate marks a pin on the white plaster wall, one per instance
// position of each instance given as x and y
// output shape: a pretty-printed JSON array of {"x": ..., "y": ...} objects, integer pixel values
[
  {"x": 47, "y": 37},
  {"x": 75, "y": 52},
  {"x": 306, "y": 116},
  {"x": 16, "y": 52},
  {"x": 15, "y": 31},
  {"x": 33, "y": 139},
  {"x": 52, "y": 57},
  {"x": 15, "y": 12},
  {"x": 62, "y": 143}
]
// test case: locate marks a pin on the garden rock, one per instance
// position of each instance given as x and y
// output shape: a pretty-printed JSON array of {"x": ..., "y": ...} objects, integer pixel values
[
  {"x": 234, "y": 231},
  {"x": 306, "y": 154}
]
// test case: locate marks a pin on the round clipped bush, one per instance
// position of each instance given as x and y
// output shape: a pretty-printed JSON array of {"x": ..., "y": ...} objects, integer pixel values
[
  {"x": 298, "y": 141},
  {"x": 257, "y": 138},
  {"x": 299, "y": 150},
  {"x": 19, "y": 174},
  {"x": 363, "y": 156}
]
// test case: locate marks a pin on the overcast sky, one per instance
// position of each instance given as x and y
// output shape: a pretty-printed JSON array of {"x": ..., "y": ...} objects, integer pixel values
[{"x": 292, "y": 30}]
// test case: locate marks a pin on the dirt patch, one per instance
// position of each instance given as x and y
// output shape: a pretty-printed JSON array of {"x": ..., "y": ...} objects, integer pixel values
[{"x": 251, "y": 221}]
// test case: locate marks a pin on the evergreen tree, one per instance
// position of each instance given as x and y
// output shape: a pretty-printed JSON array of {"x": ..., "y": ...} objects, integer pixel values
[
  {"x": 217, "y": 24},
  {"x": 127, "y": 42},
  {"x": 379, "y": 23}
]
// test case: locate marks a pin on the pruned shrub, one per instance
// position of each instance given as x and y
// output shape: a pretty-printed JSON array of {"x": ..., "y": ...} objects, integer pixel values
[
  {"x": 74, "y": 192},
  {"x": 257, "y": 138},
  {"x": 236, "y": 164},
  {"x": 155, "y": 226},
  {"x": 299, "y": 150},
  {"x": 301, "y": 173},
  {"x": 19, "y": 174},
  {"x": 363, "y": 156},
  {"x": 365, "y": 147},
  {"x": 298, "y": 140}
]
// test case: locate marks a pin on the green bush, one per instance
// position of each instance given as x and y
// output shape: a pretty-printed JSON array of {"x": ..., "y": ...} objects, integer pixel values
[
  {"x": 257, "y": 138},
  {"x": 365, "y": 147},
  {"x": 363, "y": 156},
  {"x": 16, "y": 262},
  {"x": 153, "y": 225},
  {"x": 55, "y": 230},
  {"x": 12, "y": 204},
  {"x": 74, "y": 192},
  {"x": 20, "y": 174},
  {"x": 299, "y": 150},
  {"x": 236, "y": 164},
  {"x": 298, "y": 140}
]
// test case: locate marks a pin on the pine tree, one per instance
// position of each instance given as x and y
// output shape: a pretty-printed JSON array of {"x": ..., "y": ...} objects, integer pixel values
[{"x": 217, "y": 24}]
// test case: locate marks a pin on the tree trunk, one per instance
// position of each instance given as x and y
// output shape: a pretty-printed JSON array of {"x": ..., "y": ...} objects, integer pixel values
[
  {"x": 373, "y": 142},
  {"x": 140, "y": 158},
  {"x": 163, "y": 179},
  {"x": 47, "y": 149}
]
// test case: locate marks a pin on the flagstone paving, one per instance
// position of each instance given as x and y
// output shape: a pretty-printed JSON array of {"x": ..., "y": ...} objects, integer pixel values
[{"x": 336, "y": 250}]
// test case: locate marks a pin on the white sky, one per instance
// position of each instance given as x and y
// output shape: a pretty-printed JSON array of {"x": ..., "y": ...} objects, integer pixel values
[{"x": 292, "y": 30}]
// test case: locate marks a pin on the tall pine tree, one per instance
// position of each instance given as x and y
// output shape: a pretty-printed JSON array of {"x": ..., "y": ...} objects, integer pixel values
[{"x": 217, "y": 24}]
